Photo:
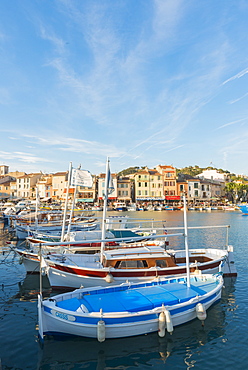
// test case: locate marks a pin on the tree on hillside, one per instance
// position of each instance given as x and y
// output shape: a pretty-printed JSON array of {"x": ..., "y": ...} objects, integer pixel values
[
  {"x": 196, "y": 170},
  {"x": 129, "y": 171},
  {"x": 190, "y": 170},
  {"x": 236, "y": 192}
]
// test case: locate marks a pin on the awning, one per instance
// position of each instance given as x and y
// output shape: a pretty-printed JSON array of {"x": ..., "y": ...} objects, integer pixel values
[
  {"x": 89, "y": 200},
  {"x": 71, "y": 191},
  {"x": 146, "y": 199},
  {"x": 45, "y": 199},
  {"x": 172, "y": 197}
]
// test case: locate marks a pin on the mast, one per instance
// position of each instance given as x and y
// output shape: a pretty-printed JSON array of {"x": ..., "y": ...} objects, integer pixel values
[
  {"x": 36, "y": 208},
  {"x": 66, "y": 202},
  {"x": 72, "y": 209},
  {"x": 186, "y": 240},
  {"x": 105, "y": 198}
]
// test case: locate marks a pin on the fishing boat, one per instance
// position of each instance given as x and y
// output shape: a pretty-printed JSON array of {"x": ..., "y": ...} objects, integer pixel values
[
  {"x": 135, "y": 264},
  {"x": 243, "y": 208},
  {"x": 86, "y": 248},
  {"x": 128, "y": 310},
  {"x": 120, "y": 206}
]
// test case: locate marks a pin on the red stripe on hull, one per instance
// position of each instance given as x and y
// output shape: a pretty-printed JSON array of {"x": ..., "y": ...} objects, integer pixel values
[{"x": 126, "y": 274}]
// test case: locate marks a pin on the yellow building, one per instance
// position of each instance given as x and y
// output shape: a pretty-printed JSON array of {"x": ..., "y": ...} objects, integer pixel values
[{"x": 148, "y": 185}]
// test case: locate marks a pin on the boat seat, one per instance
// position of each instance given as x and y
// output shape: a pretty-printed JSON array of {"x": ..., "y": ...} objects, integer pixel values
[
  {"x": 158, "y": 296},
  {"x": 69, "y": 304},
  {"x": 204, "y": 288},
  {"x": 106, "y": 302}
]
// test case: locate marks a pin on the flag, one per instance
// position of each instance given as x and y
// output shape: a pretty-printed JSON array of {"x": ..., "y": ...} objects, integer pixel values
[
  {"x": 81, "y": 178},
  {"x": 110, "y": 184}
]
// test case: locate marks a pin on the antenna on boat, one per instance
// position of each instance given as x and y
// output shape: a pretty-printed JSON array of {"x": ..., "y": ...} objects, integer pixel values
[{"x": 186, "y": 240}]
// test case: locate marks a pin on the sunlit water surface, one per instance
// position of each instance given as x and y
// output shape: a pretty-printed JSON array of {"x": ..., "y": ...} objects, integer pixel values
[{"x": 220, "y": 344}]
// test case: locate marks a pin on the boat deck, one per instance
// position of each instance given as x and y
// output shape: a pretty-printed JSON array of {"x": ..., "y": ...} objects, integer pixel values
[{"x": 137, "y": 299}]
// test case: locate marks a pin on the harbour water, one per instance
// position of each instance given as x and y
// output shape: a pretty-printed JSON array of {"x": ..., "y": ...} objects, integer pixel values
[{"x": 221, "y": 343}]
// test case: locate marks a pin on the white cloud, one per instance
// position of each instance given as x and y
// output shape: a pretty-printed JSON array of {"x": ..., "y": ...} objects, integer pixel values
[{"x": 22, "y": 157}]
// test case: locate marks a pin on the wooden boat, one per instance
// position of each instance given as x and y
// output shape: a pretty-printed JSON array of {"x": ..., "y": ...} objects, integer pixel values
[
  {"x": 136, "y": 264},
  {"x": 129, "y": 309},
  {"x": 85, "y": 247}
]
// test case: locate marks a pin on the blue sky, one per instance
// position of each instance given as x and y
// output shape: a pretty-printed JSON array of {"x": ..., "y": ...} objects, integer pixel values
[{"x": 144, "y": 82}]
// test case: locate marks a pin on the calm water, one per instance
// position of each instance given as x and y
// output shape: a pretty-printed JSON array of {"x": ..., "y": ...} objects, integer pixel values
[{"x": 221, "y": 343}]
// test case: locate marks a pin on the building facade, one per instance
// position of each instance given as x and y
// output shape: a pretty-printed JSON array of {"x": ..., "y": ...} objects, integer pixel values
[
  {"x": 101, "y": 188},
  {"x": 59, "y": 185},
  {"x": 4, "y": 170},
  {"x": 26, "y": 185},
  {"x": 149, "y": 185}
]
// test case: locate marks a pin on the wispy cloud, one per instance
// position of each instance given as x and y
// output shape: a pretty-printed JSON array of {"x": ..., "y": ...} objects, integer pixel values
[
  {"x": 22, "y": 157},
  {"x": 238, "y": 75},
  {"x": 75, "y": 145},
  {"x": 236, "y": 100},
  {"x": 232, "y": 123}
]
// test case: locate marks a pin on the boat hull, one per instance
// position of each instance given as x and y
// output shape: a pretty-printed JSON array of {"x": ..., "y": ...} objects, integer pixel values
[
  {"x": 64, "y": 276},
  {"x": 57, "y": 321}
]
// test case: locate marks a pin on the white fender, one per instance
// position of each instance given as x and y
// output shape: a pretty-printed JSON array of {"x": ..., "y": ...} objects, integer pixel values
[
  {"x": 101, "y": 331},
  {"x": 109, "y": 278},
  {"x": 169, "y": 325},
  {"x": 161, "y": 324},
  {"x": 201, "y": 312}
]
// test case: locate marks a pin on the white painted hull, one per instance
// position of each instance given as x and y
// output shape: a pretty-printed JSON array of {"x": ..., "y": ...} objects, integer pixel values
[
  {"x": 62, "y": 279},
  {"x": 55, "y": 320},
  {"x": 72, "y": 275}
]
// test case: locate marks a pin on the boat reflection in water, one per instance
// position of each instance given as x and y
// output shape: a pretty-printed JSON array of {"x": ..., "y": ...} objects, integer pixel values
[
  {"x": 29, "y": 288},
  {"x": 147, "y": 350}
]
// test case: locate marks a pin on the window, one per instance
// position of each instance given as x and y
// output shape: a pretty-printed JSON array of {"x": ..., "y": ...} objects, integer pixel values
[
  {"x": 196, "y": 193},
  {"x": 130, "y": 264},
  {"x": 139, "y": 185},
  {"x": 161, "y": 263},
  {"x": 146, "y": 184},
  {"x": 181, "y": 187},
  {"x": 196, "y": 185}
]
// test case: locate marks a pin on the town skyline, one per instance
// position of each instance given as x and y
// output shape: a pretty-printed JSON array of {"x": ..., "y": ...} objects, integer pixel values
[{"x": 124, "y": 169}]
